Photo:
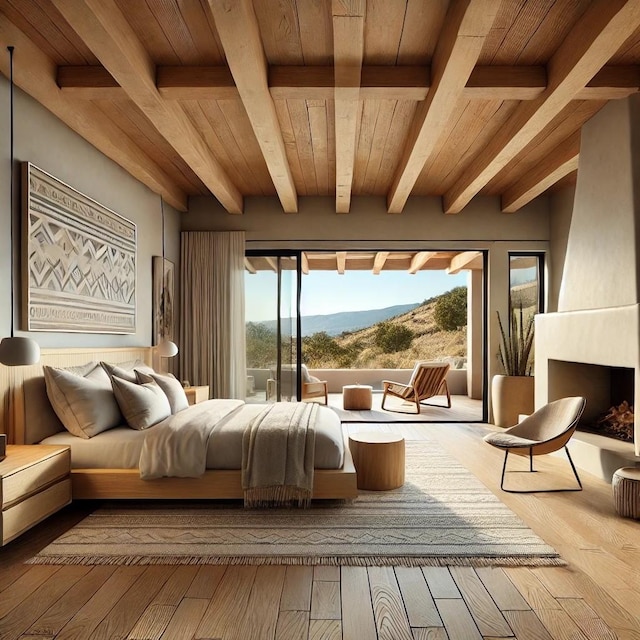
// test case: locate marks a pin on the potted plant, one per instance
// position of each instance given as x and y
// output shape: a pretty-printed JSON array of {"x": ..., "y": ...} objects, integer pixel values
[{"x": 512, "y": 393}]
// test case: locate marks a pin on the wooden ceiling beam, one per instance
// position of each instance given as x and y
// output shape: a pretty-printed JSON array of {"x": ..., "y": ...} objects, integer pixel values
[
  {"x": 305, "y": 263},
  {"x": 486, "y": 82},
  {"x": 348, "y": 51},
  {"x": 546, "y": 173},
  {"x": 466, "y": 26},
  {"x": 611, "y": 83},
  {"x": 196, "y": 83},
  {"x": 379, "y": 262},
  {"x": 419, "y": 260},
  {"x": 341, "y": 261},
  {"x": 239, "y": 33},
  {"x": 35, "y": 74},
  {"x": 601, "y": 31},
  {"x": 462, "y": 261},
  {"x": 105, "y": 31}
]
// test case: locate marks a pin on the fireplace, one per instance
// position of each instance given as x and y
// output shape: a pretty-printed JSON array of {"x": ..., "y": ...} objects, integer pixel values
[
  {"x": 603, "y": 387},
  {"x": 593, "y": 354}
]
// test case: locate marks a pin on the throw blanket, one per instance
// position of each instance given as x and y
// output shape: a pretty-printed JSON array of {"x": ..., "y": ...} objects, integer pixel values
[
  {"x": 278, "y": 450},
  {"x": 178, "y": 445}
]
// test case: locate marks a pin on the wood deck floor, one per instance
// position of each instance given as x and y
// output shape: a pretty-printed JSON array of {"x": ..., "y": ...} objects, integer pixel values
[{"x": 597, "y": 596}]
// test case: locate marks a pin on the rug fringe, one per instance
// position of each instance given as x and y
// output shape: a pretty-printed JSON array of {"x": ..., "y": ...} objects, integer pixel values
[{"x": 339, "y": 561}]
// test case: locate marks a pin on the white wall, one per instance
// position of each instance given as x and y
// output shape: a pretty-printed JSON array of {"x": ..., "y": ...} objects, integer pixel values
[
  {"x": 601, "y": 268},
  {"x": 561, "y": 210},
  {"x": 45, "y": 141}
]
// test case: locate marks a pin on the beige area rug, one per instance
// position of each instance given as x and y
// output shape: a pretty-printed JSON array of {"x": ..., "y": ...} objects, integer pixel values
[{"x": 442, "y": 515}]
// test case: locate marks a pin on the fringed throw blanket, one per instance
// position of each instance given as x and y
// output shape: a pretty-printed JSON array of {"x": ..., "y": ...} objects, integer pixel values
[{"x": 278, "y": 449}]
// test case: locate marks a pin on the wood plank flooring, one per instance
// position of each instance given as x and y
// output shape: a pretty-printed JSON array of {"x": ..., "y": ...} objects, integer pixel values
[{"x": 596, "y": 596}]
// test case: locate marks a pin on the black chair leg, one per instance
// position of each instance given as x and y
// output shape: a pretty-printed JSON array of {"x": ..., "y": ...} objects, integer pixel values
[
  {"x": 504, "y": 470},
  {"x": 573, "y": 468}
]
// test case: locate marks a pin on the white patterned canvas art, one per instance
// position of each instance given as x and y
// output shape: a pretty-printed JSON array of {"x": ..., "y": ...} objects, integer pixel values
[{"x": 79, "y": 260}]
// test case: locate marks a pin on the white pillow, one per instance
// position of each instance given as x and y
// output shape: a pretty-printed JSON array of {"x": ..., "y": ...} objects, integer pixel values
[
  {"x": 85, "y": 404},
  {"x": 125, "y": 372},
  {"x": 171, "y": 387},
  {"x": 142, "y": 405}
]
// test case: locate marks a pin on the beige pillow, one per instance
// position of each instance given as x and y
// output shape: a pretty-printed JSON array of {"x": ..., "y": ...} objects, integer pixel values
[
  {"x": 85, "y": 404},
  {"x": 171, "y": 387},
  {"x": 142, "y": 405},
  {"x": 125, "y": 371}
]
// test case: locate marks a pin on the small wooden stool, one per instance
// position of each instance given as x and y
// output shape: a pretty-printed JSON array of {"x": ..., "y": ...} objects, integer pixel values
[
  {"x": 378, "y": 459},
  {"x": 626, "y": 492},
  {"x": 357, "y": 397}
]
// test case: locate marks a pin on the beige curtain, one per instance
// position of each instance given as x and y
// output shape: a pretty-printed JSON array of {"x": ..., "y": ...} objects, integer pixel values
[{"x": 212, "y": 328}]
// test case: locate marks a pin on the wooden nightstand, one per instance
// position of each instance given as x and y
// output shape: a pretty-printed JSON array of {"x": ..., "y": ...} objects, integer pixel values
[
  {"x": 36, "y": 482},
  {"x": 197, "y": 394}
]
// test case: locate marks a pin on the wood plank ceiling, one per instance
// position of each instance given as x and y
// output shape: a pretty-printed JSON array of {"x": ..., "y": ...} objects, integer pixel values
[{"x": 294, "y": 98}]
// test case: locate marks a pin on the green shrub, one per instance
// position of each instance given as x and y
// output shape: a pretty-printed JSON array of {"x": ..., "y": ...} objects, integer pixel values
[
  {"x": 450, "y": 312},
  {"x": 392, "y": 337},
  {"x": 261, "y": 345}
]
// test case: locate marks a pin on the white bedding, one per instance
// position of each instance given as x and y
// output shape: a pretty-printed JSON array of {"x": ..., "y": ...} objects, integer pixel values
[{"x": 120, "y": 448}]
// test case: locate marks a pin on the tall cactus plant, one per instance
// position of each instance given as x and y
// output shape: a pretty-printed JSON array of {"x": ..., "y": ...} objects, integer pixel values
[{"x": 515, "y": 352}]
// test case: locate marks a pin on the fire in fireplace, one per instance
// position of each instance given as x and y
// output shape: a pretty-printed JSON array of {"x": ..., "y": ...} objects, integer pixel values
[{"x": 617, "y": 422}]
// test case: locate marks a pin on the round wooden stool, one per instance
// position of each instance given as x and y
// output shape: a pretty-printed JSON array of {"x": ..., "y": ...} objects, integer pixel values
[
  {"x": 378, "y": 459},
  {"x": 357, "y": 397},
  {"x": 626, "y": 492}
]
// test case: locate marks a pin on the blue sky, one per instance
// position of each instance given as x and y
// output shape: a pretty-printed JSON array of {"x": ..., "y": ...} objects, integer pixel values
[{"x": 325, "y": 292}]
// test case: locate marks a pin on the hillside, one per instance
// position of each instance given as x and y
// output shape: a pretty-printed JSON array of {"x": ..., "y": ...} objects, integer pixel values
[{"x": 357, "y": 349}]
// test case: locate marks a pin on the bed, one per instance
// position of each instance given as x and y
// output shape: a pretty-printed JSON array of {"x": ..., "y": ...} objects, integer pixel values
[{"x": 106, "y": 465}]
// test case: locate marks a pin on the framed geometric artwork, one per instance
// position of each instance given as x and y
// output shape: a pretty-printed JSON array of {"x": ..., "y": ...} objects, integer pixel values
[
  {"x": 163, "y": 302},
  {"x": 78, "y": 260}
]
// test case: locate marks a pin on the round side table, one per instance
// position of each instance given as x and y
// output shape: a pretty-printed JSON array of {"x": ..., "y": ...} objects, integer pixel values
[
  {"x": 626, "y": 492},
  {"x": 378, "y": 459},
  {"x": 357, "y": 397}
]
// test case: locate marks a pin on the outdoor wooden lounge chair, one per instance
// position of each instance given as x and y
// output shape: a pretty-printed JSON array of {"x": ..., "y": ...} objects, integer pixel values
[
  {"x": 427, "y": 380},
  {"x": 312, "y": 387},
  {"x": 548, "y": 429}
]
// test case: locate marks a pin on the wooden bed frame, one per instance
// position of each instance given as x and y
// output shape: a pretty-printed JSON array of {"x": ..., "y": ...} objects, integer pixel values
[{"x": 126, "y": 483}]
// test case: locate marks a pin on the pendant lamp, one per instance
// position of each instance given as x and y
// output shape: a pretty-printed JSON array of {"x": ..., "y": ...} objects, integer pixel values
[
  {"x": 15, "y": 351},
  {"x": 166, "y": 348}
]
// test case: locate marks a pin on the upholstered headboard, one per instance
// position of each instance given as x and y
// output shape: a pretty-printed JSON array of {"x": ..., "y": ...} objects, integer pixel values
[{"x": 28, "y": 415}]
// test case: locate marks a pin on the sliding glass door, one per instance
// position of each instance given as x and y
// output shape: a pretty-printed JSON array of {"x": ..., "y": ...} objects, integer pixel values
[{"x": 272, "y": 325}]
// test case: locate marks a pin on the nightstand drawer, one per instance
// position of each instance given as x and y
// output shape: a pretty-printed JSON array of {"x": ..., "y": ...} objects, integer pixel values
[
  {"x": 17, "y": 519},
  {"x": 30, "y": 479}
]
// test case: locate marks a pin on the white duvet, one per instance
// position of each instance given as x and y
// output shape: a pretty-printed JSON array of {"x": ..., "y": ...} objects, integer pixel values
[{"x": 177, "y": 446}]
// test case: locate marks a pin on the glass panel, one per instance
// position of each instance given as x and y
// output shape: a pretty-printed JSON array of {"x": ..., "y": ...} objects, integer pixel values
[
  {"x": 270, "y": 303},
  {"x": 524, "y": 284},
  {"x": 525, "y": 296}
]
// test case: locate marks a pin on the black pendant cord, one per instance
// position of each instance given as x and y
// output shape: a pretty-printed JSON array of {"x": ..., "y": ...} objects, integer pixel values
[
  {"x": 11, "y": 153},
  {"x": 162, "y": 211}
]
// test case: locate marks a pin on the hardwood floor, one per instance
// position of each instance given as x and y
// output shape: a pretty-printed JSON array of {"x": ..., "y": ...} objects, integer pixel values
[{"x": 596, "y": 596}]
